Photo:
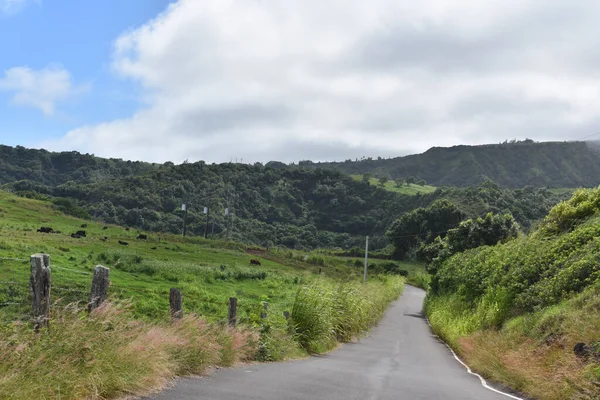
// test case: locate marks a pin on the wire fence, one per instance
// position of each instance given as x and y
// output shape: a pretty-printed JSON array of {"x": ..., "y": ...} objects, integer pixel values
[{"x": 68, "y": 286}]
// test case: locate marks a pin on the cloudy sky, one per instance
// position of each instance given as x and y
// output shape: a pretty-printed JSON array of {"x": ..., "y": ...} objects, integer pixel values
[{"x": 263, "y": 80}]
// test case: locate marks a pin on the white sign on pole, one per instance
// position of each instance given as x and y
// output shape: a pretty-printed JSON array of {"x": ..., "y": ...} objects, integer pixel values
[
  {"x": 227, "y": 211},
  {"x": 205, "y": 210},
  {"x": 183, "y": 207}
]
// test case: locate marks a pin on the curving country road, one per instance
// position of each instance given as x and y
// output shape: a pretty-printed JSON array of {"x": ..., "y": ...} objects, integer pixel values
[{"x": 399, "y": 360}]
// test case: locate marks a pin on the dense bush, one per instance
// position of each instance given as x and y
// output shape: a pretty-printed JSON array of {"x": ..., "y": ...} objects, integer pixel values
[
  {"x": 469, "y": 234},
  {"x": 527, "y": 274}
]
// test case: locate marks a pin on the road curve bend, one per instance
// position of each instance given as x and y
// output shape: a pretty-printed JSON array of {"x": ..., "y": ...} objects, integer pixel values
[{"x": 400, "y": 359}]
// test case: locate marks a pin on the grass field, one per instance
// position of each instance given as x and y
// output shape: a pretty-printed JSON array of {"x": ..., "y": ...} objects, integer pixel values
[
  {"x": 410, "y": 189},
  {"x": 559, "y": 191},
  {"x": 130, "y": 345},
  {"x": 207, "y": 272}
]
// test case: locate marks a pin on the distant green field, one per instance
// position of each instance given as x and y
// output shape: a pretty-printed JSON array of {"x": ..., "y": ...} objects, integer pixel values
[
  {"x": 562, "y": 190},
  {"x": 410, "y": 189}
]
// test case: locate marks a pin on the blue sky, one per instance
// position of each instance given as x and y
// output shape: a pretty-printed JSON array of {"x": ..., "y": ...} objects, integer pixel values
[
  {"x": 77, "y": 36},
  {"x": 324, "y": 80}
]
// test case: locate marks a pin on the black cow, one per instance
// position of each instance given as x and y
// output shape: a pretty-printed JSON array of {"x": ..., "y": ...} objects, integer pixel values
[
  {"x": 104, "y": 239},
  {"x": 75, "y": 236},
  {"x": 105, "y": 228},
  {"x": 45, "y": 229},
  {"x": 127, "y": 228},
  {"x": 152, "y": 248},
  {"x": 84, "y": 225},
  {"x": 254, "y": 262},
  {"x": 123, "y": 243},
  {"x": 80, "y": 233},
  {"x": 142, "y": 237}
]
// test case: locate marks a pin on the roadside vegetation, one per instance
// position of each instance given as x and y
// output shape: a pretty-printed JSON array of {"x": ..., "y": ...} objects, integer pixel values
[
  {"x": 129, "y": 345},
  {"x": 526, "y": 312}
]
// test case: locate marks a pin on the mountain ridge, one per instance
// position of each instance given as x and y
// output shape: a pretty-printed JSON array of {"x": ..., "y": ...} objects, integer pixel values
[{"x": 509, "y": 164}]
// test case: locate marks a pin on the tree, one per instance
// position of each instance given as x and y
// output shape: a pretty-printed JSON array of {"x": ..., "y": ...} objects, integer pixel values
[
  {"x": 423, "y": 225},
  {"x": 470, "y": 234},
  {"x": 410, "y": 180},
  {"x": 399, "y": 182},
  {"x": 383, "y": 180},
  {"x": 366, "y": 178},
  {"x": 487, "y": 231}
]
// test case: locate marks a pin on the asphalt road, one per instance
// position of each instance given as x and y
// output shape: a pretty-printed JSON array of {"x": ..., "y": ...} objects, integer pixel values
[{"x": 399, "y": 360}]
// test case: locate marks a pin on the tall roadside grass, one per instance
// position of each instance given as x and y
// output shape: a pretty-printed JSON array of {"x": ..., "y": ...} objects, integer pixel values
[
  {"x": 326, "y": 313},
  {"x": 109, "y": 354},
  {"x": 532, "y": 353}
]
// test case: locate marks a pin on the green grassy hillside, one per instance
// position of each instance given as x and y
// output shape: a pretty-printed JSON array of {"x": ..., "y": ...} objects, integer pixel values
[
  {"x": 408, "y": 189},
  {"x": 517, "y": 310},
  {"x": 129, "y": 345},
  {"x": 208, "y": 272}
]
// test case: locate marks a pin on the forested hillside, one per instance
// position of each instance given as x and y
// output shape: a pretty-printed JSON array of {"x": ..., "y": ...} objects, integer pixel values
[
  {"x": 271, "y": 205},
  {"x": 512, "y": 165}
]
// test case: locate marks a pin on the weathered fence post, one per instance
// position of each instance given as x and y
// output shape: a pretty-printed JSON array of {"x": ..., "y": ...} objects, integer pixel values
[
  {"x": 100, "y": 284},
  {"x": 39, "y": 285},
  {"x": 176, "y": 302},
  {"x": 232, "y": 312},
  {"x": 286, "y": 314},
  {"x": 263, "y": 313}
]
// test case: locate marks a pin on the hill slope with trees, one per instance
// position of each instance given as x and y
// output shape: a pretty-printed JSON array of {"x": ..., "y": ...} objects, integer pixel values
[
  {"x": 511, "y": 165},
  {"x": 271, "y": 204}
]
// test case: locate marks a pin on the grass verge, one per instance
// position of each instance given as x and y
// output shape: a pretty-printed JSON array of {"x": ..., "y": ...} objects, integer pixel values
[{"x": 532, "y": 353}]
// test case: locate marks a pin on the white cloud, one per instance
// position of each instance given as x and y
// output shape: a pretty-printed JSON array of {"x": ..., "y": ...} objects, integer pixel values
[
  {"x": 41, "y": 89},
  {"x": 10, "y": 7},
  {"x": 332, "y": 79}
]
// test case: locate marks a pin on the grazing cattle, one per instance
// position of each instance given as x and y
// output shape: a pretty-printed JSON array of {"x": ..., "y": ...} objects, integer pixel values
[
  {"x": 123, "y": 243},
  {"x": 80, "y": 233},
  {"x": 152, "y": 248},
  {"x": 254, "y": 262},
  {"x": 104, "y": 239},
  {"x": 143, "y": 237},
  {"x": 84, "y": 225},
  {"x": 127, "y": 228},
  {"x": 75, "y": 236},
  {"x": 45, "y": 229},
  {"x": 105, "y": 228}
]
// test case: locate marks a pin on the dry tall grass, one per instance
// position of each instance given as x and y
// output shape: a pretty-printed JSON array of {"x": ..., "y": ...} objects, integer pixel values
[
  {"x": 107, "y": 354},
  {"x": 532, "y": 353}
]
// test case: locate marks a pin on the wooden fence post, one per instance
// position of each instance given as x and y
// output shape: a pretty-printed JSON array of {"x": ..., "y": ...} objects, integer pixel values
[
  {"x": 232, "y": 312},
  {"x": 263, "y": 313},
  {"x": 286, "y": 314},
  {"x": 176, "y": 302},
  {"x": 100, "y": 284},
  {"x": 39, "y": 285}
]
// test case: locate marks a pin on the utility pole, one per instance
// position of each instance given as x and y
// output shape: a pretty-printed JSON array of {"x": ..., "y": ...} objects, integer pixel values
[
  {"x": 184, "y": 208},
  {"x": 227, "y": 218},
  {"x": 366, "y": 260},
  {"x": 207, "y": 212}
]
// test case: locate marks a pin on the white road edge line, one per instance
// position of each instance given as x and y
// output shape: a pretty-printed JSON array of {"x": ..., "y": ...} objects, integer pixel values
[{"x": 483, "y": 381}]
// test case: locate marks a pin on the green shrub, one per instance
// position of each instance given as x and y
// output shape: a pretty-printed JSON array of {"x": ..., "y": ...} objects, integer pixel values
[{"x": 324, "y": 312}]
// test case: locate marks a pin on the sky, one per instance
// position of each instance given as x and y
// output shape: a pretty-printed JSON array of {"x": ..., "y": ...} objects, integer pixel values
[{"x": 261, "y": 80}]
